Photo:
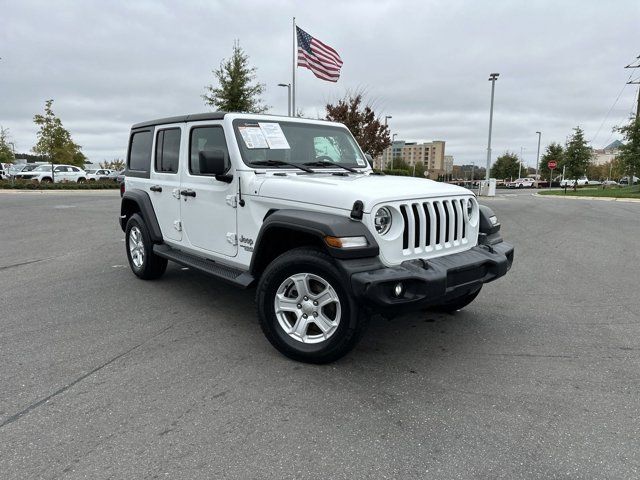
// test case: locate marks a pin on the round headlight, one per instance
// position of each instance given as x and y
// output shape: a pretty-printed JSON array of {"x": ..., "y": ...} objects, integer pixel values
[
  {"x": 469, "y": 209},
  {"x": 382, "y": 220}
]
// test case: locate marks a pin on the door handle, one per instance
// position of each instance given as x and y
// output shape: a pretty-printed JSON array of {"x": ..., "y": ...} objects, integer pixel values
[
  {"x": 187, "y": 193},
  {"x": 156, "y": 188}
]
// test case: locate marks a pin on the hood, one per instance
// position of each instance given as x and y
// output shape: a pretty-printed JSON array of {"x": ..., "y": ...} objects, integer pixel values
[{"x": 342, "y": 191}]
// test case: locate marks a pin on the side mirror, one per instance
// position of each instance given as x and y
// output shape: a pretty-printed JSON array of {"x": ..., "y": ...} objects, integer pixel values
[{"x": 214, "y": 162}]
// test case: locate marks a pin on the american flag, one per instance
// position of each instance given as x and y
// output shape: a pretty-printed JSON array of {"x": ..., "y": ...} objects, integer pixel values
[{"x": 321, "y": 59}]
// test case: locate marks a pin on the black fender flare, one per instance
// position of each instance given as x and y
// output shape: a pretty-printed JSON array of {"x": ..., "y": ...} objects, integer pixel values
[
  {"x": 319, "y": 225},
  {"x": 141, "y": 199},
  {"x": 489, "y": 233}
]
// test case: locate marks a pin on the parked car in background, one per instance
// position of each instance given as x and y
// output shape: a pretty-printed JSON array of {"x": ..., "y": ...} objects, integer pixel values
[
  {"x": 4, "y": 171},
  {"x": 522, "y": 183},
  {"x": 61, "y": 173},
  {"x": 21, "y": 167},
  {"x": 625, "y": 181},
  {"x": 120, "y": 176},
  {"x": 580, "y": 182},
  {"x": 100, "y": 174},
  {"x": 610, "y": 183}
]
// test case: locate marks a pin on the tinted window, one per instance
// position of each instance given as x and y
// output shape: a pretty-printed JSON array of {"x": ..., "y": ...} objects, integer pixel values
[
  {"x": 168, "y": 150},
  {"x": 140, "y": 151},
  {"x": 206, "y": 138}
]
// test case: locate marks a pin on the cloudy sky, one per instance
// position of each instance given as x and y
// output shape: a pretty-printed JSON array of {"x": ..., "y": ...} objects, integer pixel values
[{"x": 109, "y": 64}]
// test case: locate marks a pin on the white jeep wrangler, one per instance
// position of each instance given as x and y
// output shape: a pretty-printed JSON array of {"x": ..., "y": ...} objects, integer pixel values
[{"x": 293, "y": 206}]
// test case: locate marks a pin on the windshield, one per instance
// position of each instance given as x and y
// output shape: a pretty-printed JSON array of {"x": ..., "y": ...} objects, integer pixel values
[
  {"x": 42, "y": 168},
  {"x": 296, "y": 143}
]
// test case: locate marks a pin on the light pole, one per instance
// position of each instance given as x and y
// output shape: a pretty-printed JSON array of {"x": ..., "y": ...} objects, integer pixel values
[
  {"x": 521, "y": 162},
  {"x": 393, "y": 139},
  {"x": 288, "y": 85},
  {"x": 386, "y": 117},
  {"x": 538, "y": 155},
  {"x": 492, "y": 78}
]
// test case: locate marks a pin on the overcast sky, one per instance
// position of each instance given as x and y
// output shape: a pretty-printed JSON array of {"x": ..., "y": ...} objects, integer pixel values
[{"x": 109, "y": 64}]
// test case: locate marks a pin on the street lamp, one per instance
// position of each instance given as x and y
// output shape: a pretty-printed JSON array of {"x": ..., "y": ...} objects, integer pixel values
[
  {"x": 393, "y": 139},
  {"x": 387, "y": 117},
  {"x": 521, "y": 162},
  {"x": 288, "y": 85},
  {"x": 538, "y": 155},
  {"x": 492, "y": 78}
]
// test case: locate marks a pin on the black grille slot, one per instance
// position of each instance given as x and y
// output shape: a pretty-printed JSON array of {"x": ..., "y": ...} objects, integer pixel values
[
  {"x": 447, "y": 220},
  {"x": 438, "y": 229},
  {"x": 464, "y": 222},
  {"x": 405, "y": 231},
  {"x": 416, "y": 222},
  {"x": 427, "y": 224},
  {"x": 455, "y": 220}
]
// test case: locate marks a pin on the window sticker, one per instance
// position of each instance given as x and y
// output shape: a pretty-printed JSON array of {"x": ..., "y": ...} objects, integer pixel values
[
  {"x": 361, "y": 162},
  {"x": 253, "y": 137},
  {"x": 274, "y": 135}
]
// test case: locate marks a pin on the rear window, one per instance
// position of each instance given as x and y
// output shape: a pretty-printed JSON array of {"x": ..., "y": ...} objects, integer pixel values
[
  {"x": 140, "y": 151},
  {"x": 168, "y": 150}
]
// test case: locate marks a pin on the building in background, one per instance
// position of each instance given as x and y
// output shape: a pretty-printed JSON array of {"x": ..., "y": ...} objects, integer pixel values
[
  {"x": 606, "y": 154},
  {"x": 431, "y": 154},
  {"x": 448, "y": 164}
]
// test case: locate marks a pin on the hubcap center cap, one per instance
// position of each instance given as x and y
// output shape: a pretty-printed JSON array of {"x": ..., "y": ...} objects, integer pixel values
[{"x": 307, "y": 307}]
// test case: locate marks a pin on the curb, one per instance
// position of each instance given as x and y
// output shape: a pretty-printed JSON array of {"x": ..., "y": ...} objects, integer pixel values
[{"x": 602, "y": 199}]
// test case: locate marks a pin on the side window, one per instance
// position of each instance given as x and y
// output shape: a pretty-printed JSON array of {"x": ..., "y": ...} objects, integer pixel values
[
  {"x": 168, "y": 150},
  {"x": 206, "y": 138},
  {"x": 74, "y": 169},
  {"x": 60, "y": 169},
  {"x": 140, "y": 151}
]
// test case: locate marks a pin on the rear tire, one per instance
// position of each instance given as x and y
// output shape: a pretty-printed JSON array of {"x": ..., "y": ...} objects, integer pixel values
[
  {"x": 458, "y": 303},
  {"x": 143, "y": 262},
  {"x": 317, "y": 320}
]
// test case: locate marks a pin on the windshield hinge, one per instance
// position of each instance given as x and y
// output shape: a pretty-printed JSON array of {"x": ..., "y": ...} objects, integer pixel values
[
  {"x": 232, "y": 238},
  {"x": 232, "y": 201}
]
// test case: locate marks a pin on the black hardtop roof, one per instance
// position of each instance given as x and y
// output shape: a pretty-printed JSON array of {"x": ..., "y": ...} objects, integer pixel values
[{"x": 181, "y": 119}]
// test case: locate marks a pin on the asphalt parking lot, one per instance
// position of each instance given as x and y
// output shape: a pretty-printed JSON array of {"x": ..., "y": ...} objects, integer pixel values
[{"x": 107, "y": 376}]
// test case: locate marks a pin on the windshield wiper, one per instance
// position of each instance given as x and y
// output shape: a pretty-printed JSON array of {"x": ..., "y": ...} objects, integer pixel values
[
  {"x": 327, "y": 163},
  {"x": 276, "y": 163}
]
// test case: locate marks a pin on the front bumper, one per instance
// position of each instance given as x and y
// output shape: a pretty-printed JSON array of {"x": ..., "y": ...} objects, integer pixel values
[{"x": 433, "y": 281}]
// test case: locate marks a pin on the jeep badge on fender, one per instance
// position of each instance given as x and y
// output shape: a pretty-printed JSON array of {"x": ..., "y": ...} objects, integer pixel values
[{"x": 292, "y": 207}]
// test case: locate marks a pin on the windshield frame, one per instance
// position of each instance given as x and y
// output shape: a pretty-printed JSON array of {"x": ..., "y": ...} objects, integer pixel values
[{"x": 301, "y": 122}]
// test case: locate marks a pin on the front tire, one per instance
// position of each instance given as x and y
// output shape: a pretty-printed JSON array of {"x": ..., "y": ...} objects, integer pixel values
[
  {"x": 305, "y": 307},
  {"x": 143, "y": 262}
]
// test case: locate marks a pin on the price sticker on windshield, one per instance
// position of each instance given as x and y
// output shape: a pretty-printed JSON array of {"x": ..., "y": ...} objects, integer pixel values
[
  {"x": 274, "y": 135},
  {"x": 253, "y": 137}
]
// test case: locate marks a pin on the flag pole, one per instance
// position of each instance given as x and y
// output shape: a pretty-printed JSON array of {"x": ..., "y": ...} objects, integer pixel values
[{"x": 293, "y": 73}]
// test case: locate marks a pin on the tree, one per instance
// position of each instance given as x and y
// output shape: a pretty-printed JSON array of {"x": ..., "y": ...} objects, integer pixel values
[
  {"x": 553, "y": 152},
  {"x": 54, "y": 141},
  {"x": 506, "y": 166},
  {"x": 371, "y": 133},
  {"x": 577, "y": 155},
  {"x": 115, "y": 164},
  {"x": 6, "y": 147},
  {"x": 236, "y": 90},
  {"x": 420, "y": 170},
  {"x": 629, "y": 153}
]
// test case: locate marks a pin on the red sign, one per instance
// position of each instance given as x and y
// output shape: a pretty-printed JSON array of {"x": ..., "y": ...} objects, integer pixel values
[{"x": 552, "y": 164}]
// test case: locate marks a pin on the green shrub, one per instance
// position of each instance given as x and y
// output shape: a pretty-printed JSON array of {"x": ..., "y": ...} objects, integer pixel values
[{"x": 31, "y": 185}]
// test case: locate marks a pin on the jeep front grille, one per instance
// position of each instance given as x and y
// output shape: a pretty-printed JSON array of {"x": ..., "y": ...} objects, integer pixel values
[{"x": 434, "y": 225}]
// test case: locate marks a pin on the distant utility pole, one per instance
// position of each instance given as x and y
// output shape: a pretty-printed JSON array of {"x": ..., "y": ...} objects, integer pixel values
[
  {"x": 492, "y": 78},
  {"x": 538, "y": 154},
  {"x": 635, "y": 82}
]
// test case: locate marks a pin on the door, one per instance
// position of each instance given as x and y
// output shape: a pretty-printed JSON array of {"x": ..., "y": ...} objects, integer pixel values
[
  {"x": 207, "y": 209},
  {"x": 61, "y": 174},
  {"x": 164, "y": 186}
]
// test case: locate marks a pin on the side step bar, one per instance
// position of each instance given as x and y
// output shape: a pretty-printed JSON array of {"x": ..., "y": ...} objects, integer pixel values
[{"x": 229, "y": 274}]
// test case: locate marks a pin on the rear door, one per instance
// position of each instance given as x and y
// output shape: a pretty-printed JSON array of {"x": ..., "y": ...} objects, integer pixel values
[
  {"x": 164, "y": 190},
  {"x": 208, "y": 210}
]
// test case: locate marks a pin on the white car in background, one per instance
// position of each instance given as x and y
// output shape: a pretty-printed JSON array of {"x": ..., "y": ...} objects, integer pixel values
[
  {"x": 101, "y": 174},
  {"x": 61, "y": 173},
  {"x": 522, "y": 183},
  {"x": 580, "y": 182}
]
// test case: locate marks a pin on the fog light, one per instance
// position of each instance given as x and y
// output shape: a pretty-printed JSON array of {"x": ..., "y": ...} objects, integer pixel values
[{"x": 398, "y": 289}]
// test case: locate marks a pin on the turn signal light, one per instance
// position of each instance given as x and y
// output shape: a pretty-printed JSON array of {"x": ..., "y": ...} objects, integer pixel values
[{"x": 345, "y": 242}]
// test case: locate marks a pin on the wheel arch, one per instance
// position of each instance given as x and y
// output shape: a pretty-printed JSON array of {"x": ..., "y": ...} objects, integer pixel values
[
  {"x": 138, "y": 201},
  {"x": 283, "y": 230}
]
